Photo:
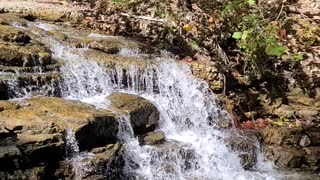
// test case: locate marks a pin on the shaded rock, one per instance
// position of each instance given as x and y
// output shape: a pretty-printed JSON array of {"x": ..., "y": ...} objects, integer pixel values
[
  {"x": 144, "y": 116},
  {"x": 152, "y": 138},
  {"x": 285, "y": 156},
  {"x": 29, "y": 55},
  {"x": 37, "y": 146},
  {"x": 10, "y": 157},
  {"x": 12, "y": 34},
  {"x": 62, "y": 170},
  {"x": 314, "y": 136},
  {"x": 32, "y": 173},
  {"x": 3, "y": 90},
  {"x": 312, "y": 158},
  {"x": 280, "y": 136}
]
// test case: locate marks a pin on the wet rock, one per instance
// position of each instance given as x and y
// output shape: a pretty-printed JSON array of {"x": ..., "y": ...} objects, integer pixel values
[
  {"x": 104, "y": 163},
  {"x": 314, "y": 136},
  {"x": 245, "y": 144},
  {"x": 106, "y": 44},
  {"x": 305, "y": 141},
  {"x": 29, "y": 55},
  {"x": 107, "y": 162},
  {"x": 144, "y": 116},
  {"x": 111, "y": 60},
  {"x": 152, "y": 138}
]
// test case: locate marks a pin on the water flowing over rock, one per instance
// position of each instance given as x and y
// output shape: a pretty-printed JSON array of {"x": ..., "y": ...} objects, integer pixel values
[
  {"x": 144, "y": 116},
  {"x": 118, "y": 114}
]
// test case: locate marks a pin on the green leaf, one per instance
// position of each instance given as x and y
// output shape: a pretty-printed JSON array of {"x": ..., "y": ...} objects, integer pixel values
[
  {"x": 244, "y": 35},
  {"x": 275, "y": 50},
  {"x": 277, "y": 123},
  {"x": 251, "y": 2},
  {"x": 297, "y": 57},
  {"x": 237, "y": 35}
]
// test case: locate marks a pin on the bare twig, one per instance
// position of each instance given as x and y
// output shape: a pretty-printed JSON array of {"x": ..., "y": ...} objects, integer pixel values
[
  {"x": 144, "y": 17},
  {"x": 280, "y": 12}
]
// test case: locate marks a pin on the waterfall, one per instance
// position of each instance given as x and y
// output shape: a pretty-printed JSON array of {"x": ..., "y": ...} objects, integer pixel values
[
  {"x": 78, "y": 160},
  {"x": 190, "y": 118}
]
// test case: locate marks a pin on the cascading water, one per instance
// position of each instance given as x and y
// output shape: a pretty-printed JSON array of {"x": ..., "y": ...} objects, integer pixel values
[
  {"x": 79, "y": 160},
  {"x": 195, "y": 145}
]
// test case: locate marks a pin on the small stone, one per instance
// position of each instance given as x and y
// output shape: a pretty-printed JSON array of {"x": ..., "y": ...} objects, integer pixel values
[
  {"x": 305, "y": 141},
  {"x": 152, "y": 138},
  {"x": 307, "y": 150}
]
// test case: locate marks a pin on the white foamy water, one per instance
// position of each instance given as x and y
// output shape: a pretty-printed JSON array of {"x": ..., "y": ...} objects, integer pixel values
[
  {"x": 195, "y": 145},
  {"x": 79, "y": 160}
]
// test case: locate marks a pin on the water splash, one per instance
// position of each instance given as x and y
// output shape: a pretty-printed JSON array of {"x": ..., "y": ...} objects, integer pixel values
[{"x": 79, "y": 160}]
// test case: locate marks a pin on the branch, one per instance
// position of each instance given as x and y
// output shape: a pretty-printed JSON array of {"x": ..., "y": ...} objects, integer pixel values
[{"x": 143, "y": 17}]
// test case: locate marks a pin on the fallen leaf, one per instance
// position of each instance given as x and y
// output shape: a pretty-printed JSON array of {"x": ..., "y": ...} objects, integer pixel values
[
  {"x": 248, "y": 125},
  {"x": 211, "y": 19},
  {"x": 188, "y": 27},
  {"x": 283, "y": 33}
]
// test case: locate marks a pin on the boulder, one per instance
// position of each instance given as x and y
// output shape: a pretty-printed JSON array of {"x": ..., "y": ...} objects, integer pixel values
[
  {"x": 45, "y": 115},
  {"x": 36, "y": 127},
  {"x": 144, "y": 116}
]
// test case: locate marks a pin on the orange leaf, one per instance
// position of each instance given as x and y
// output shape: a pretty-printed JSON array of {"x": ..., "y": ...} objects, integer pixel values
[{"x": 211, "y": 19}]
